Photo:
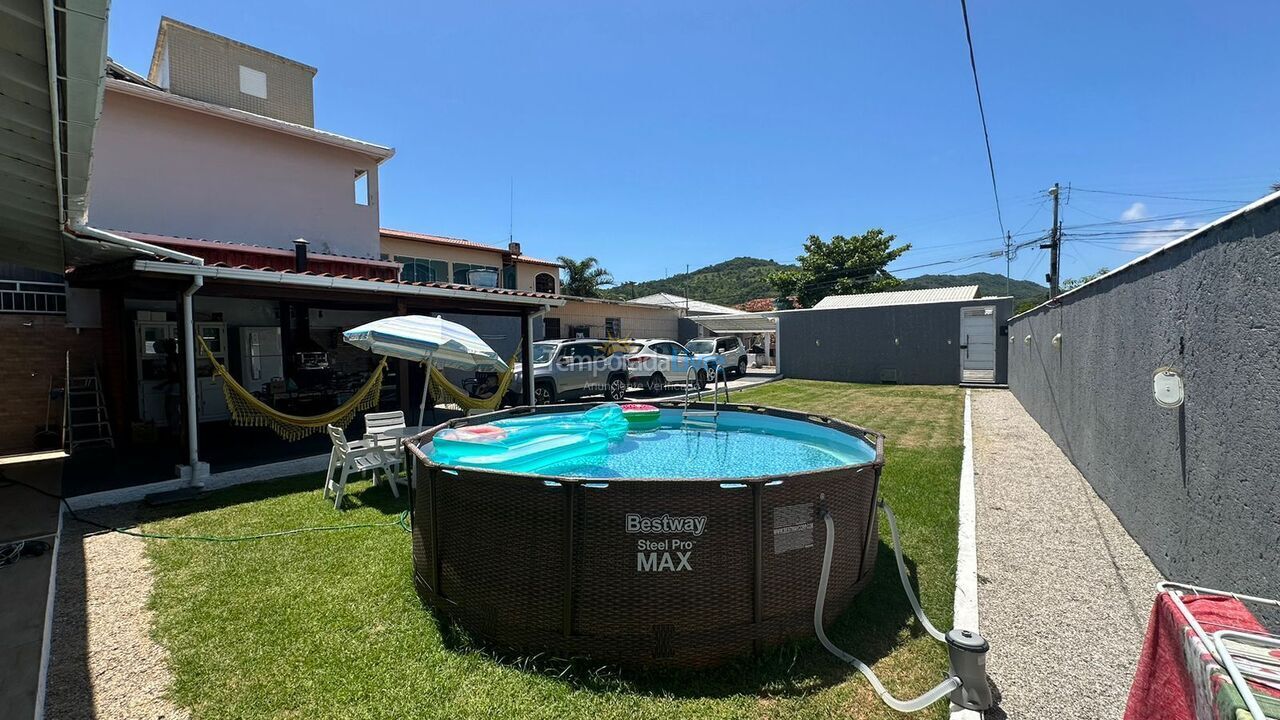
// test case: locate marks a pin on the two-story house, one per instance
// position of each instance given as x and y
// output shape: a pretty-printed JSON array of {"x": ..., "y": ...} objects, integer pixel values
[{"x": 245, "y": 230}]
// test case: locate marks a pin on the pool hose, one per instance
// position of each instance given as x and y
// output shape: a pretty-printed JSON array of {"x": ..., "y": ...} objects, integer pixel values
[{"x": 966, "y": 684}]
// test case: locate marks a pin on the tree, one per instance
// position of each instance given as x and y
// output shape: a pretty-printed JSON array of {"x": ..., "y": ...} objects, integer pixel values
[
  {"x": 584, "y": 277},
  {"x": 1073, "y": 283},
  {"x": 842, "y": 266}
]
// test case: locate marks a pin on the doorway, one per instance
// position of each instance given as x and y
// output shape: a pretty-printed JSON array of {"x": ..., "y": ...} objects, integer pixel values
[{"x": 978, "y": 344}]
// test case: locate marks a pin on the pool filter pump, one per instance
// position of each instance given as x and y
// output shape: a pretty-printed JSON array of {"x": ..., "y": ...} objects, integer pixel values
[{"x": 966, "y": 683}]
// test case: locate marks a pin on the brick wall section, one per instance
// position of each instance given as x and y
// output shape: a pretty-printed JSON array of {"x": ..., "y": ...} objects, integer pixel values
[
  {"x": 32, "y": 354},
  {"x": 206, "y": 67}
]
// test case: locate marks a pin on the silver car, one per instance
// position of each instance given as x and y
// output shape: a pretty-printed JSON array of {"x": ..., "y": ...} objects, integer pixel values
[
  {"x": 567, "y": 369},
  {"x": 725, "y": 352}
]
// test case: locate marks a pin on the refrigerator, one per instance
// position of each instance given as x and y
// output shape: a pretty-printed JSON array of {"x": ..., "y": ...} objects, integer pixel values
[{"x": 261, "y": 360}]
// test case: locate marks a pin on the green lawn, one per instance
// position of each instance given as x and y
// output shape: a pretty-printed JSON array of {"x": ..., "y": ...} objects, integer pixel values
[{"x": 327, "y": 625}]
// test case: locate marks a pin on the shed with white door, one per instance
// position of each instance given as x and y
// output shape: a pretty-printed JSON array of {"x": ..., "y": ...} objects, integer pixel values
[{"x": 945, "y": 336}]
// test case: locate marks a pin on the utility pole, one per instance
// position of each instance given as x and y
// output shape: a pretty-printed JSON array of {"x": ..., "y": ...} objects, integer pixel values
[
  {"x": 1008, "y": 259},
  {"x": 1054, "y": 244}
]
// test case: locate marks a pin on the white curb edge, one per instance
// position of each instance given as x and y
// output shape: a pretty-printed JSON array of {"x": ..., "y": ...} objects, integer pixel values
[{"x": 966, "y": 602}]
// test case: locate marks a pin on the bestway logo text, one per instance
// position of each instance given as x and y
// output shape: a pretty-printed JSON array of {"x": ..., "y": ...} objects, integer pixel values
[{"x": 666, "y": 524}]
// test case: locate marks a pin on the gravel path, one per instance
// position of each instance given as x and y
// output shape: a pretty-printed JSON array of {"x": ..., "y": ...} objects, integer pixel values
[
  {"x": 1063, "y": 591},
  {"x": 105, "y": 666}
]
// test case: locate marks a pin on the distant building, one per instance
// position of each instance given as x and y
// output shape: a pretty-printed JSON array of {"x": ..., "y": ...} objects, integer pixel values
[
  {"x": 684, "y": 305},
  {"x": 898, "y": 297},
  {"x": 439, "y": 258}
]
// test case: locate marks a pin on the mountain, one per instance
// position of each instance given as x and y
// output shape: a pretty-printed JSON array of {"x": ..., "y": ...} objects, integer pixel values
[
  {"x": 736, "y": 281},
  {"x": 726, "y": 283},
  {"x": 989, "y": 285}
]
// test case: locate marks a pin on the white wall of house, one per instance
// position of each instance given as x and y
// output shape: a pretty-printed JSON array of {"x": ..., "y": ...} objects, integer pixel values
[{"x": 173, "y": 171}]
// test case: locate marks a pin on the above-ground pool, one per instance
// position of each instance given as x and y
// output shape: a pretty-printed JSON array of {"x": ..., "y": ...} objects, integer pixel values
[{"x": 640, "y": 538}]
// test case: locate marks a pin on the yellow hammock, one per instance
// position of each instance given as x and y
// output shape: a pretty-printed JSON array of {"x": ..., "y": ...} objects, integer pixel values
[
  {"x": 443, "y": 391},
  {"x": 249, "y": 411}
]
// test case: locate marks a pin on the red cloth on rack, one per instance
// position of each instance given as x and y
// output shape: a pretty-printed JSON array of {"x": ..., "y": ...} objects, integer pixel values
[{"x": 1162, "y": 687}]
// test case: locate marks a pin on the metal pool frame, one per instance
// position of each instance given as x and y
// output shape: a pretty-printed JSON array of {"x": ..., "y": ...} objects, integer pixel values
[{"x": 640, "y": 571}]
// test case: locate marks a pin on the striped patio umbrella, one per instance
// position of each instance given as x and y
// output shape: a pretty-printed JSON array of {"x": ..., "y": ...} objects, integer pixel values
[{"x": 421, "y": 337}]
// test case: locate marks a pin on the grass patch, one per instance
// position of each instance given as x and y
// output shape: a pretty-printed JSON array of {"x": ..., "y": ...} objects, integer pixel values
[{"x": 327, "y": 625}]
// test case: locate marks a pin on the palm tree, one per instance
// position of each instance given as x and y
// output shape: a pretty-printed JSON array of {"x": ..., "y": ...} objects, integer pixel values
[{"x": 584, "y": 277}]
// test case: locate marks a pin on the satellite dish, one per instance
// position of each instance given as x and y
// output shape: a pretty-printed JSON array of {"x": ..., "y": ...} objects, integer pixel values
[{"x": 1168, "y": 388}]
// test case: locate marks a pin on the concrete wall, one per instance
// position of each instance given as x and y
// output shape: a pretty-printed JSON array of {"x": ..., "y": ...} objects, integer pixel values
[
  {"x": 170, "y": 171},
  {"x": 1197, "y": 487},
  {"x": 638, "y": 321},
  {"x": 527, "y": 273},
  {"x": 921, "y": 342},
  {"x": 203, "y": 66}
]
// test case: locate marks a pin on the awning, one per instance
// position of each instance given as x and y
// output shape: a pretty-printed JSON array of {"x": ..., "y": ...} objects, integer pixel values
[
  {"x": 52, "y": 60},
  {"x": 738, "y": 323}
]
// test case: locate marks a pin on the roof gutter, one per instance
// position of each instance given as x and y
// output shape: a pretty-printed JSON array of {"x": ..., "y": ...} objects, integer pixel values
[
  {"x": 156, "y": 250},
  {"x": 378, "y": 152},
  {"x": 267, "y": 277}
]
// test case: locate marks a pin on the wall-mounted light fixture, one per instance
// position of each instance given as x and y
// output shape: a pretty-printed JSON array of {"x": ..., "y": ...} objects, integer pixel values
[
  {"x": 1026, "y": 340},
  {"x": 1168, "y": 388},
  {"x": 1057, "y": 340}
]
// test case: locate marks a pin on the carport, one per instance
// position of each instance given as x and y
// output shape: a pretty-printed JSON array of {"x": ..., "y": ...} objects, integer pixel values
[{"x": 763, "y": 324}]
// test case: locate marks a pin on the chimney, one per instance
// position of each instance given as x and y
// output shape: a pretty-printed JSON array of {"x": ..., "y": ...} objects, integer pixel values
[
  {"x": 513, "y": 248},
  {"x": 300, "y": 255}
]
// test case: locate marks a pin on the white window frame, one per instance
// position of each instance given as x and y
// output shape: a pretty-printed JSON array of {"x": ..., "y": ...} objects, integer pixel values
[{"x": 253, "y": 82}]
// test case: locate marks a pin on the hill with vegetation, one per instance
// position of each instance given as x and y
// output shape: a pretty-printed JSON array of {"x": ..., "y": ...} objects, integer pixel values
[
  {"x": 736, "y": 281},
  {"x": 989, "y": 285},
  {"x": 726, "y": 283}
]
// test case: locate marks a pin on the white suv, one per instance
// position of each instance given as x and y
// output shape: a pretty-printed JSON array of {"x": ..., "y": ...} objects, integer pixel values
[
  {"x": 726, "y": 352},
  {"x": 654, "y": 364}
]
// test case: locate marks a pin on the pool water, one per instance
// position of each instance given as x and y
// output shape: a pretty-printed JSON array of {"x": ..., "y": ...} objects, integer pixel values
[{"x": 596, "y": 445}]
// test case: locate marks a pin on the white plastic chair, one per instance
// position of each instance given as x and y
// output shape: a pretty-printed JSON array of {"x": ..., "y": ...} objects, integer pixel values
[
  {"x": 348, "y": 457},
  {"x": 377, "y": 423}
]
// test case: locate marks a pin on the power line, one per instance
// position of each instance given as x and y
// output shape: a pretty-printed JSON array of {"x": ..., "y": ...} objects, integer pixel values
[
  {"x": 986, "y": 136},
  {"x": 1159, "y": 197}
]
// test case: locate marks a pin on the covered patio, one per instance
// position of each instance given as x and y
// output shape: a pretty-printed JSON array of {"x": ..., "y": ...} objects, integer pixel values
[{"x": 276, "y": 327}]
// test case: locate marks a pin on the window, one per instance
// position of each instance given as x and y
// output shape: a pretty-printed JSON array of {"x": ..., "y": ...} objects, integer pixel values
[
  {"x": 613, "y": 327},
  {"x": 477, "y": 275},
  {"x": 253, "y": 82},
  {"x": 542, "y": 352},
  {"x": 583, "y": 351},
  {"x": 544, "y": 283},
  {"x": 551, "y": 328},
  {"x": 414, "y": 269},
  {"x": 33, "y": 297},
  {"x": 362, "y": 187}
]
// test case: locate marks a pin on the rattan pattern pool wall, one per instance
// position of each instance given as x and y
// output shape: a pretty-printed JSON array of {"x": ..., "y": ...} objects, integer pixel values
[{"x": 542, "y": 564}]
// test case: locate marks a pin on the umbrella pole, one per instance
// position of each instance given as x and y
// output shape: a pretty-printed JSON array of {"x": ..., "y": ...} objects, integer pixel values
[{"x": 426, "y": 385}]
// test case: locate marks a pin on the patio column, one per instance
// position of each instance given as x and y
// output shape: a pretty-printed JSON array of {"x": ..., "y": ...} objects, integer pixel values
[
  {"x": 767, "y": 339},
  {"x": 407, "y": 401},
  {"x": 195, "y": 476},
  {"x": 526, "y": 355}
]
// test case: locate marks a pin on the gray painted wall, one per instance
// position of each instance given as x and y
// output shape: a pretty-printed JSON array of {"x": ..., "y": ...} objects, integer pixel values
[
  {"x": 857, "y": 344},
  {"x": 1199, "y": 487}
]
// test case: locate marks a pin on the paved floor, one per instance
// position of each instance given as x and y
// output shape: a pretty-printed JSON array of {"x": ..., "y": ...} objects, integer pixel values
[
  {"x": 29, "y": 518},
  {"x": 1063, "y": 591},
  {"x": 751, "y": 379}
]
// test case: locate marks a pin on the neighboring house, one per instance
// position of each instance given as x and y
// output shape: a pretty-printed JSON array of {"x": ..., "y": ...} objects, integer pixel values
[
  {"x": 898, "y": 297},
  {"x": 684, "y": 305},
  {"x": 597, "y": 318},
  {"x": 438, "y": 258}
]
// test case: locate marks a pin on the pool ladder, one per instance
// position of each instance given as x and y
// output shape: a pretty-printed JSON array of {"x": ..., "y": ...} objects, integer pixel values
[{"x": 703, "y": 418}]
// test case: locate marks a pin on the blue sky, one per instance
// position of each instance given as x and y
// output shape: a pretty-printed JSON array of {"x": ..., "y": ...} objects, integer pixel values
[{"x": 657, "y": 134}]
